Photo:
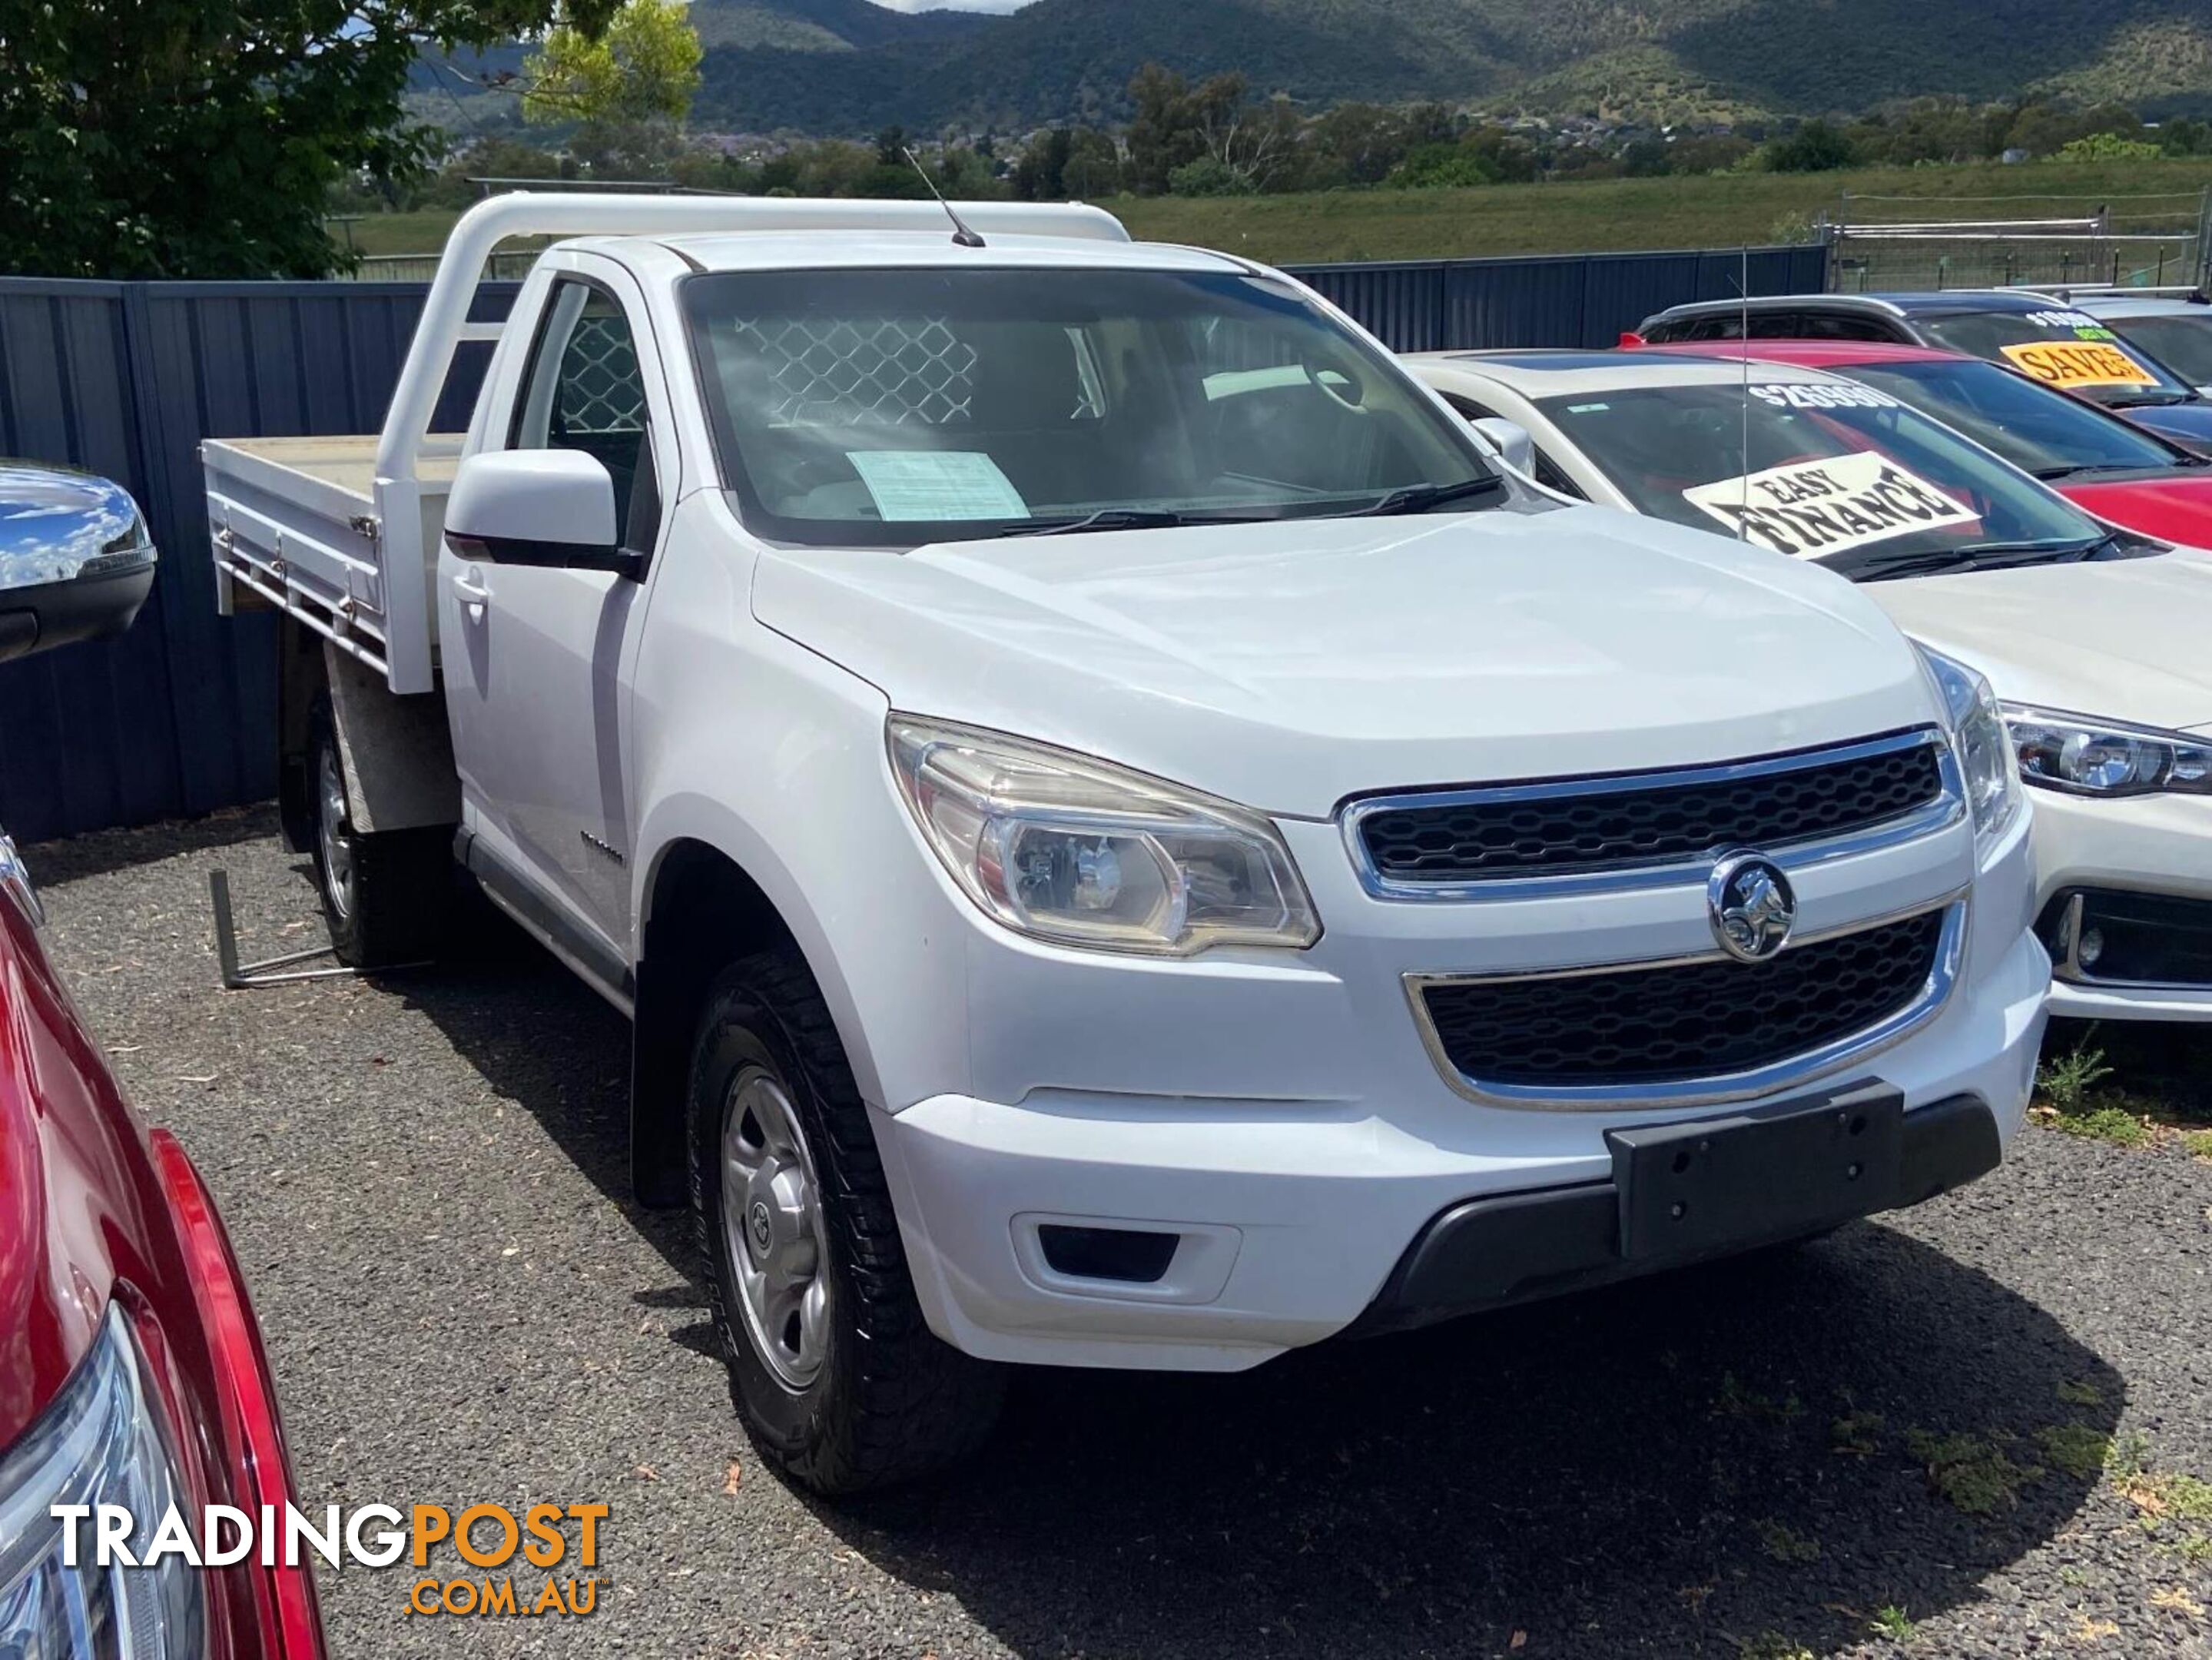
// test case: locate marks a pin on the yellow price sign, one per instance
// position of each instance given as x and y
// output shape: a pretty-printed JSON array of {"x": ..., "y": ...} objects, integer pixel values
[{"x": 2078, "y": 363}]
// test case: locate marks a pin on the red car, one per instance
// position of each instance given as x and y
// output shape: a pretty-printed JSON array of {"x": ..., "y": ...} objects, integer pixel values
[
  {"x": 132, "y": 1371},
  {"x": 2118, "y": 471}
]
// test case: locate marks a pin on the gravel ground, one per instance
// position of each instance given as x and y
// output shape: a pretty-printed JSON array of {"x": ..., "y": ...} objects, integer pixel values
[{"x": 424, "y": 1177}]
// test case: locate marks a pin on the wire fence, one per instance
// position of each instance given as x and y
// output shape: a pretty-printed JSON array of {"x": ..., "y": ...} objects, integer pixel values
[{"x": 1910, "y": 243}]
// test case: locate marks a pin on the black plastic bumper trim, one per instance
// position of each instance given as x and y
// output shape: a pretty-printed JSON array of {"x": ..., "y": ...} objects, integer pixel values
[{"x": 1493, "y": 1252}]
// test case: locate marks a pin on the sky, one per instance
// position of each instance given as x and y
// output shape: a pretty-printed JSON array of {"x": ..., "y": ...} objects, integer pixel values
[{"x": 954, "y": 5}]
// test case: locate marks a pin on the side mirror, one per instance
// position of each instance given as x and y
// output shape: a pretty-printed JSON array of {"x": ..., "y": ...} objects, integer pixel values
[
  {"x": 76, "y": 560},
  {"x": 1510, "y": 440},
  {"x": 553, "y": 509}
]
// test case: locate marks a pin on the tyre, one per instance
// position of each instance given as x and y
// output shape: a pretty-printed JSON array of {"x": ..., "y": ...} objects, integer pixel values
[
  {"x": 383, "y": 896},
  {"x": 832, "y": 1367}
]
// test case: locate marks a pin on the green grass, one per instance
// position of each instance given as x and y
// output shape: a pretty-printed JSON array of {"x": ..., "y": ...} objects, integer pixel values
[
  {"x": 1893, "y": 1622},
  {"x": 1770, "y": 1645},
  {"x": 2077, "y": 1448},
  {"x": 1857, "y": 1434},
  {"x": 422, "y": 232},
  {"x": 1785, "y": 1544},
  {"x": 2115, "y": 1125},
  {"x": 1601, "y": 215},
  {"x": 1973, "y": 1474},
  {"x": 2065, "y": 1079}
]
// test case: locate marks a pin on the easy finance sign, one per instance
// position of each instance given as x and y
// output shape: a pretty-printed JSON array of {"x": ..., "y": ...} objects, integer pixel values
[{"x": 1811, "y": 509}]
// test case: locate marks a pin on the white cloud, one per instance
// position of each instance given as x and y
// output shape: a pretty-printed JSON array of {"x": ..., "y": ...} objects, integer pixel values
[{"x": 954, "y": 5}]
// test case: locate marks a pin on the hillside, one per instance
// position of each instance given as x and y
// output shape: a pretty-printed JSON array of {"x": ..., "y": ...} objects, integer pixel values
[
  {"x": 847, "y": 66},
  {"x": 1715, "y": 211}
]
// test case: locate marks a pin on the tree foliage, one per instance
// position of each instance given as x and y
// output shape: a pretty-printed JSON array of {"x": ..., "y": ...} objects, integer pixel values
[
  {"x": 200, "y": 138},
  {"x": 641, "y": 65}
]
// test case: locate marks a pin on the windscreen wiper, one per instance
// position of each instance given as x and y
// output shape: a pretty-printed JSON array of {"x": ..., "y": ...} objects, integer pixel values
[
  {"x": 1935, "y": 561},
  {"x": 1419, "y": 498},
  {"x": 1113, "y": 518}
]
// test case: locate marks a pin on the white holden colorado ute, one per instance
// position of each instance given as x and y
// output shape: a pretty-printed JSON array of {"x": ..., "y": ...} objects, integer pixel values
[{"x": 1126, "y": 839}]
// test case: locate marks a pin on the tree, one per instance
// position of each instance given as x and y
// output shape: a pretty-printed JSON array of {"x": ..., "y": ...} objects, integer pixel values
[
  {"x": 2107, "y": 147},
  {"x": 1440, "y": 166},
  {"x": 1165, "y": 132},
  {"x": 1094, "y": 168},
  {"x": 190, "y": 138},
  {"x": 1208, "y": 176},
  {"x": 1041, "y": 171},
  {"x": 1816, "y": 147},
  {"x": 641, "y": 67}
]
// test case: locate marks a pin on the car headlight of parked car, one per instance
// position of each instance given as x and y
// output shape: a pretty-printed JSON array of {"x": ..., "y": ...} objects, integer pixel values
[
  {"x": 1064, "y": 848},
  {"x": 100, "y": 1442},
  {"x": 1986, "y": 765},
  {"x": 2081, "y": 755}
]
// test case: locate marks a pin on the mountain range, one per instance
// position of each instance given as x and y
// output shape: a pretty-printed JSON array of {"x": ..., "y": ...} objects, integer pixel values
[{"x": 851, "y": 66}]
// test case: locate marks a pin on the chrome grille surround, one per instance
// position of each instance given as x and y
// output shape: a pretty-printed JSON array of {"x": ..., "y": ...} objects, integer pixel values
[{"x": 1945, "y": 808}]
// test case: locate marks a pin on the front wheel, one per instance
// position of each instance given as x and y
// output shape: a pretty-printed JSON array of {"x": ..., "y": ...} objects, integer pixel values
[{"x": 832, "y": 1366}]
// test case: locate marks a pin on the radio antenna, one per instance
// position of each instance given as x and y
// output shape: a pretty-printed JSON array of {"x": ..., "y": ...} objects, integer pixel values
[
  {"x": 1743, "y": 348},
  {"x": 961, "y": 236}
]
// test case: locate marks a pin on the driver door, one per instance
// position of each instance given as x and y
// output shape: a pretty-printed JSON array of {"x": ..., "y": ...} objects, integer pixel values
[{"x": 537, "y": 661}]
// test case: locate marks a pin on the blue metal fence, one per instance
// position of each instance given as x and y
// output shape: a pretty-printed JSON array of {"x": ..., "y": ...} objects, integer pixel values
[
  {"x": 125, "y": 379},
  {"x": 1551, "y": 299}
]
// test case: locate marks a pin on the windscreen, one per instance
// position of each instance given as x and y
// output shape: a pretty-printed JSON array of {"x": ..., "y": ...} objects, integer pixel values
[
  {"x": 895, "y": 407},
  {"x": 2068, "y": 349},
  {"x": 1842, "y": 473},
  {"x": 2182, "y": 341},
  {"x": 2037, "y": 429}
]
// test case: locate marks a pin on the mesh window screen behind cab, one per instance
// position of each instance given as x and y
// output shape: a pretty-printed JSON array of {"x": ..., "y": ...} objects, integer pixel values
[
  {"x": 599, "y": 388},
  {"x": 878, "y": 371},
  {"x": 852, "y": 372}
]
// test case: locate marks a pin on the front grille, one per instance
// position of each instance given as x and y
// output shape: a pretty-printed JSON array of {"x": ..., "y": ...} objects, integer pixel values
[
  {"x": 1682, "y": 1021},
  {"x": 1489, "y": 834}
]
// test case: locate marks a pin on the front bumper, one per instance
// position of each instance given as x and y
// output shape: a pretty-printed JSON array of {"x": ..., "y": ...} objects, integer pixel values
[
  {"x": 1490, "y": 1253},
  {"x": 2149, "y": 845},
  {"x": 1294, "y": 1214}
]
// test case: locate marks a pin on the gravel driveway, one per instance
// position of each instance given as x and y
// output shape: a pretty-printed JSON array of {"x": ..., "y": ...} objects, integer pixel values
[{"x": 1904, "y": 1425}]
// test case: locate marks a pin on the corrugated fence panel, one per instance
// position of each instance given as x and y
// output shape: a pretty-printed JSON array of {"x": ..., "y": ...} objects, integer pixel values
[
  {"x": 74, "y": 750},
  {"x": 1621, "y": 291},
  {"x": 1513, "y": 303},
  {"x": 1548, "y": 299},
  {"x": 178, "y": 716},
  {"x": 1401, "y": 303}
]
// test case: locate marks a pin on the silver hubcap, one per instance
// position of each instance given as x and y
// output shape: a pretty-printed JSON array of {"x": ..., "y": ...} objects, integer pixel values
[
  {"x": 330, "y": 823},
  {"x": 772, "y": 1228}
]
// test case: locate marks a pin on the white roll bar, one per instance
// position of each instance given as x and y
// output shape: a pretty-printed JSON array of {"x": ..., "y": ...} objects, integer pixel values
[{"x": 526, "y": 213}]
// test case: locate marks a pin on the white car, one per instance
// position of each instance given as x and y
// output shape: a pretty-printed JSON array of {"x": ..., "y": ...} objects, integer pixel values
[
  {"x": 1126, "y": 841},
  {"x": 2175, "y": 331},
  {"x": 2093, "y": 636}
]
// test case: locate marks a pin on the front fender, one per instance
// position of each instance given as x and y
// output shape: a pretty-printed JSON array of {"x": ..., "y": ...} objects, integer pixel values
[{"x": 794, "y": 787}]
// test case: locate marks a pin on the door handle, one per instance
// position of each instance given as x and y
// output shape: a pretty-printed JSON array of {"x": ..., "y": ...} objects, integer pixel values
[{"x": 470, "y": 589}]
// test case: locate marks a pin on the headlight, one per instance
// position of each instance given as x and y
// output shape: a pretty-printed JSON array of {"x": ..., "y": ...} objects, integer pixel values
[
  {"x": 1064, "y": 848},
  {"x": 2083, "y": 756},
  {"x": 100, "y": 1443},
  {"x": 1979, "y": 741}
]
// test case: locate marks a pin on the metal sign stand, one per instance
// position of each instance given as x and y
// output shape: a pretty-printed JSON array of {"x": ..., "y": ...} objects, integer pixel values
[{"x": 271, "y": 971}]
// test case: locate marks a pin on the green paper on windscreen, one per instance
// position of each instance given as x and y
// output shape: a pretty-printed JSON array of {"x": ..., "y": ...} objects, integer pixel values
[{"x": 937, "y": 485}]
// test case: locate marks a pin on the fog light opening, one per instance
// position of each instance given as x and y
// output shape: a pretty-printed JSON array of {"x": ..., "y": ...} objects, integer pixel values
[{"x": 1132, "y": 1255}]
